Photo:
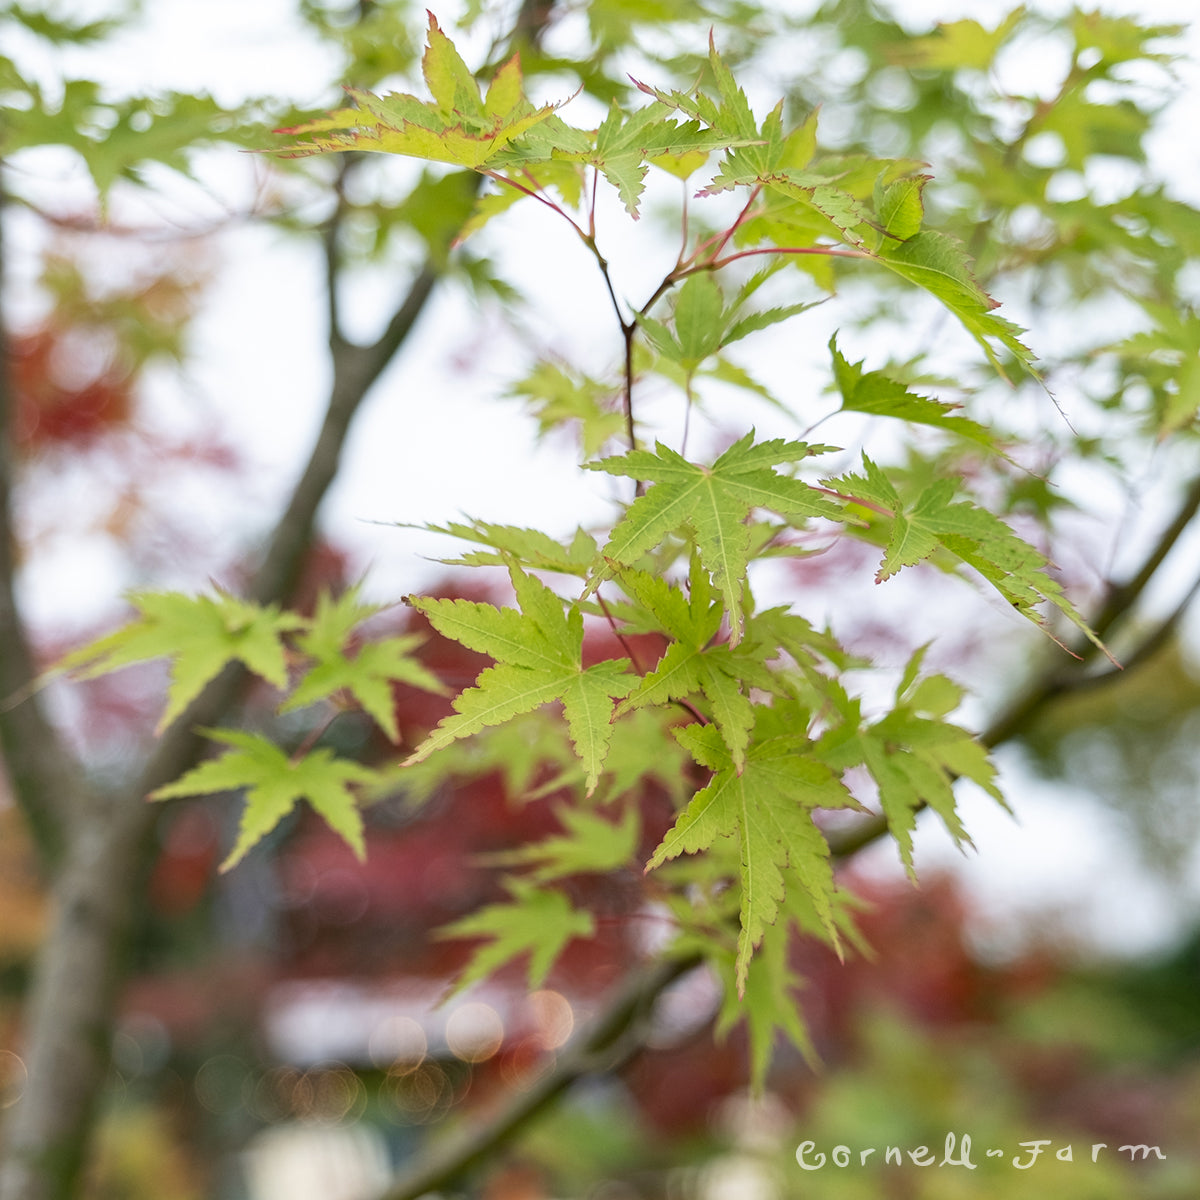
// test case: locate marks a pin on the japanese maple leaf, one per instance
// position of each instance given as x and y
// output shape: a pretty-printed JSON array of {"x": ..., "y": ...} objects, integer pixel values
[
  {"x": 200, "y": 634},
  {"x": 540, "y": 922},
  {"x": 768, "y": 808},
  {"x": 539, "y": 653},
  {"x": 459, "y": 126},
  {"x": 913, "y": 753},
  {"x": 715, "y": 502},
  {"x": 273, "y": 784},
  {"x": 693, "y": 663},
  {"x": 368, "y": 674},
  {"x": 1017, "y": 570},
  {"x": 590, "y": 843}
]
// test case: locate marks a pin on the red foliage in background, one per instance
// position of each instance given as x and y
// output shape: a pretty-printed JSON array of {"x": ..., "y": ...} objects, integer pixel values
[{"x": 65, "y": 393}]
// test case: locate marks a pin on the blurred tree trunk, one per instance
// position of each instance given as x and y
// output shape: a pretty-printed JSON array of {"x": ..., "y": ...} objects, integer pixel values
[{"x": 98, "y": 848}]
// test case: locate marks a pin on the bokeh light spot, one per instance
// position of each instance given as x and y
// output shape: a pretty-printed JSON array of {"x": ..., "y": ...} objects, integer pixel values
[
  {"x": 419, "y": 1096},
  {"x": 397, "y": 1045},
  {"x": 474, "y": 1032},
  {"x": 13, "y": 1078},
  {"x": 553, "y": 1018},
  {"x": 335, "y": 1093},
  {"x": 220, "y": 1082}
]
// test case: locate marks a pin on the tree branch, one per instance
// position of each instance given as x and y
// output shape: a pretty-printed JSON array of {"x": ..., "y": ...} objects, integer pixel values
[
  {"x": 83, "y": 962},
  {"x": 43, "y": 776},
  {"x": 607, "y": 1045},
  {"x": 1150, "y": 644},
  {"x": 1120, "y": 598},
  {"x": 355, "y": 370},
  {"x": 330, "y": 237}
]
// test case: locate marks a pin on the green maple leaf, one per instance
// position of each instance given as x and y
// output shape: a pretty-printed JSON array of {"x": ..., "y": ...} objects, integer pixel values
[
  {"x": 537, "y": 550},
  {"x": 626, "y": 144},
  {"x": 768, "y": 808},
  {"x": 590, "y": 844},
  {"x": 692, "y": 664},
  {"x": 938, "y": 263},
  {"x": 955, "y": 45},
  {"x": 975, "y": 536},
  {"x": 200, "y": 634},
  {"x": 539, "y": 653},
  {"x": 274, "y": 784},
  {"x": 757, "y": 155},
  {"x": 369, "y": 674},
  {"x": 539, "y": 923},
  {"x": 643, "y": 754},
  {"x": 556, "y": 396},
  {"x": 715, "y": 502},
  {"x": 621, "y": 148},
  {"x": 1167, "y": 358},
  {"x": 877, "y": 394},
  {"x": 459, "y": 126},
  {"x": 900, "y": 206},
  {"x": 766, "y": 1003},
  {"x": 704, "y": 325},
  {"x": 730, "y": 115},
  {"x": 913, "y": 755}
]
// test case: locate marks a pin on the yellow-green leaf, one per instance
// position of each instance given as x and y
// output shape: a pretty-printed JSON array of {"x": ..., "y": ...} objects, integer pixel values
[
  {"x": 200, "y": 634},
  {"x": 274, "y": 784}
]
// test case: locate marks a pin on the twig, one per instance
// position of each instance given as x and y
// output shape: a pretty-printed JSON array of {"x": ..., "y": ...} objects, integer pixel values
[
  {"x": 330, "y": 237},
  {"x": 1120, "y": 598}
]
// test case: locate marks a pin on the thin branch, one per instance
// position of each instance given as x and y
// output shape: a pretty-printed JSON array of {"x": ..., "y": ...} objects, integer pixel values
[
  {"x": 537, "y": 194},
  {"x": 826, "y": 251},
  {"x": 659, "y": 292},
  {"x": 619, "y": 634},
  {"x": 721, "y": 240},
  {"x": 689, "y": 403},
  {"x": 1120, "y": 598},
  {"x": 330, "y": 238},
  {"x": 682, "y": 701},
  {"x": 628, "y": 332}
]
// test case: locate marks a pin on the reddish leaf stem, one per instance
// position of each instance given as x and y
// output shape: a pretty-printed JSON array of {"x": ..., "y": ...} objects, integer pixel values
[
  {"x": 634, "y": 658},
  {"x": 541, "y": 198},
  {"x": 722, "y": 239}
]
